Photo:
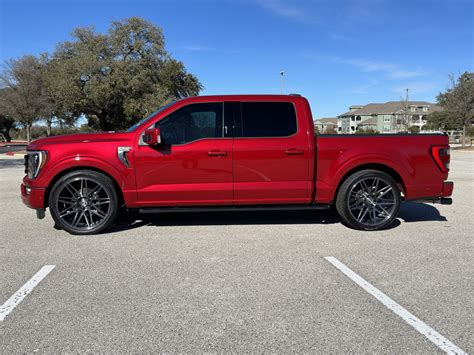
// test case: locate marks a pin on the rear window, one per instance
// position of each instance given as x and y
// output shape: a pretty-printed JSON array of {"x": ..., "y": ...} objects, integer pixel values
[{"x": 267, "y": 119}]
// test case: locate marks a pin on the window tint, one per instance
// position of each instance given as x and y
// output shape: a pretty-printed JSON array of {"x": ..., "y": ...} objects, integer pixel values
[
  {"x": 267, "y": 119},
  {"x": 192, "y": 122}
]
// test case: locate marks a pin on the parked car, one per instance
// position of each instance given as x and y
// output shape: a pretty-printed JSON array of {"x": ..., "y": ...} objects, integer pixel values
[{"x": 234, "y": 152}]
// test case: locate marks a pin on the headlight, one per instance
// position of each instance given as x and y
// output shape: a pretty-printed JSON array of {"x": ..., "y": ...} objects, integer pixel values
[{"x": 34, "y": 161}]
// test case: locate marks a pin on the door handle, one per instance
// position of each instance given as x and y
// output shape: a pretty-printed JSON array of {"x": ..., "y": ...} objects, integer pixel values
[
  {"x": 217, "y": 153},
  {"x": 293, "y": 151}
]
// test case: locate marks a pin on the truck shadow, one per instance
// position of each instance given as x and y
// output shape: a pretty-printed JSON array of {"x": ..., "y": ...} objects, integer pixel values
[
  {"x": 409, "y": 212},
  {"x": 419, "y": 212}
]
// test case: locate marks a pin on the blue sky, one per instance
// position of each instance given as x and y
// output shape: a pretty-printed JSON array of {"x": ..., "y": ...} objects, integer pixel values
[{"x": 336, "y": 53}]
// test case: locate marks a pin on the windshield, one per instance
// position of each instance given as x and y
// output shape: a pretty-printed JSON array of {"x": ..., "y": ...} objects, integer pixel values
[{"x": 141, "y": 122}]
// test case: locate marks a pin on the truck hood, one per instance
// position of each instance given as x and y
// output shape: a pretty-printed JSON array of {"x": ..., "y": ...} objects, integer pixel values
[{"x": 42, "y": 143}]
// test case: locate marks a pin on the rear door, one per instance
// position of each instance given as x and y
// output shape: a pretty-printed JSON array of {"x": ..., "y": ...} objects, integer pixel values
[{"x": 271, "y": 155}]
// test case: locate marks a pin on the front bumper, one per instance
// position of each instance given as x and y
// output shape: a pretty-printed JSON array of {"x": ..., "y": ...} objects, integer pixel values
[{"x": 33, "y": 197}]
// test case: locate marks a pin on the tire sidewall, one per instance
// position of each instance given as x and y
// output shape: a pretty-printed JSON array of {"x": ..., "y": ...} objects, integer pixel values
[{"x": 107, "y": 185}]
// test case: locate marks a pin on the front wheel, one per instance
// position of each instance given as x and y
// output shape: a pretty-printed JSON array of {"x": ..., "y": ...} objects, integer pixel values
[
  {"x": 368, "y": 200},
  {"x": 83, "y": 202}
]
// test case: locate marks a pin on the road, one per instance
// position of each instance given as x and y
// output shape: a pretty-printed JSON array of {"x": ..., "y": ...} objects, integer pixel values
[{"x": 239, "y": 281}]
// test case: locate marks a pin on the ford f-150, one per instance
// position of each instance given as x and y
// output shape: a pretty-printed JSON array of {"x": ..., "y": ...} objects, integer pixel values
[{"x": 232, "y": 152}]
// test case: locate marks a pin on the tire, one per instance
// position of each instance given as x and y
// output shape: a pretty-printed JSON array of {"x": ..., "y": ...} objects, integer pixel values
[
  {"x": 83, "y": 202},
  {"x": 368, "y": 200}
]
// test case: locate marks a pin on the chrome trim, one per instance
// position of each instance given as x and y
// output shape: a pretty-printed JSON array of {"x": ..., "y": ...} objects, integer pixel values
[{"x": 122, "y": 155}]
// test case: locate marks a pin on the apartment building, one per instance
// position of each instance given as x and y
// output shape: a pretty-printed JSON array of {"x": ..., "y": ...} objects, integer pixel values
[{"x": 389, "y": 117}]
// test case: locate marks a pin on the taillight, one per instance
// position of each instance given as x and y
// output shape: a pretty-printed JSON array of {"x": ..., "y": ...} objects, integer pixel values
[{"x": 441, "y": 157}]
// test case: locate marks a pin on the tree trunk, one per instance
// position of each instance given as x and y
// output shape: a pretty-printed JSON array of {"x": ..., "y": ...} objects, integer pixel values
[
  {"x": 464, "y": 135},
  {"x": 48, "y": 127},
  {"x": 28, "y": 133}
]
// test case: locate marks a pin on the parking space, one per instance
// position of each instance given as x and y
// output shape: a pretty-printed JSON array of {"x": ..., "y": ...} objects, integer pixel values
[{"x": 240, "y": 281}]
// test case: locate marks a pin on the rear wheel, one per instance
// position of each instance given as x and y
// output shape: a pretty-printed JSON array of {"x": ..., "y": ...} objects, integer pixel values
[
  {"x": 83, "y": 202},
  {"x": 368, "y": 200}
]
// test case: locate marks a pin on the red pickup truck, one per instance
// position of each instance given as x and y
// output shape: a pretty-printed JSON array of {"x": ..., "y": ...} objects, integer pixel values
[{"x": 232, "y": 152}]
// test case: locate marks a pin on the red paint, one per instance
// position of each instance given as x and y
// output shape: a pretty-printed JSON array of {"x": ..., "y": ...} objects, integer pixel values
[{"x": 299, "y": 169}]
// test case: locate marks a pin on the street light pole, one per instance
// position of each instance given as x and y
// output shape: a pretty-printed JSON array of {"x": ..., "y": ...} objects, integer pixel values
[{"x": 282, "y": 82}]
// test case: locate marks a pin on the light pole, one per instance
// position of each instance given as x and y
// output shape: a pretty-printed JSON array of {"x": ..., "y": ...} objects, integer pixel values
[{"x": 282, "y": 81}]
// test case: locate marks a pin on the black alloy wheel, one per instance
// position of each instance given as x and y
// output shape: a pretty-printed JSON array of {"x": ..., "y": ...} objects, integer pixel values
[
  {"x": 368, "y": 200},
  {"x": 83, "y": 202}
]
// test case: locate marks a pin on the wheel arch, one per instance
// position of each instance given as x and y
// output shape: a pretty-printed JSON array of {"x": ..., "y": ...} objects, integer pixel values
[
  {"x": 82, "y": 167},
  {"x": 374, "y": 166}
]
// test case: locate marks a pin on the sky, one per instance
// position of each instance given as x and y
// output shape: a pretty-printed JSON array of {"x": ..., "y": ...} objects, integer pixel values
[{"x": 336, "y": 53}]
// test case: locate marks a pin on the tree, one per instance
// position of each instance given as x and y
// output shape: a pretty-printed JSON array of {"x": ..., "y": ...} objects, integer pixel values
[
  {"x": 24, "y": 96},
  {"x": 6, "y": 125},
  {"x": 115, "y": 79},
  {"x": 459, "y": 99},
  {"x": 444, "y": 121},
  {"x": 413, "y": 129}
]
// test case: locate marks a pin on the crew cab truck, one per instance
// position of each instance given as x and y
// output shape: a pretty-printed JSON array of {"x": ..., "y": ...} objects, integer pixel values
[{"x": 232, "y": 152}]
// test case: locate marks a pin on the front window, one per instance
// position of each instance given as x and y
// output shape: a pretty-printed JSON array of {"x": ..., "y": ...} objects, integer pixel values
[
  {"x": 191, "y": 123},
  {"x": 146, "y": 119}
]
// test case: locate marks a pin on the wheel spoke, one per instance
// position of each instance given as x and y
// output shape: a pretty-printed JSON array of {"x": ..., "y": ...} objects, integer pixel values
[
  {"x": 383, "y": 191},
  {"x": 67, "y": 213},
  {"x": 99, "y": 213},
  {"x": 71, "y": 190},
  {"x": 66, "y": 200},
  {"x": 77, "y": 218}
]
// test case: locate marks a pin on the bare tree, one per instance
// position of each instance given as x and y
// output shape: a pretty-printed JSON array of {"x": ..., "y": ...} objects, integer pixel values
[
  {"x": 405, "y": 118},
  {"x": 24, "y": 95}
]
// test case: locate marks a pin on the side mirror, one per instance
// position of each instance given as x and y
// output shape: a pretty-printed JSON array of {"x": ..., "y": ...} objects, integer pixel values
[{"x": 152, "y": 136}]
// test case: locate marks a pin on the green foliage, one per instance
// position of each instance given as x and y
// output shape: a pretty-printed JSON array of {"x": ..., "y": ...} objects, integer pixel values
[
  {"x": 7, "y": 124},
  {"x": 459, "y": 99},
  {"x": 367, "y": 131},
  {"x": 115, "y": 79},
  {"x": 470, "y": 131},
  {"x": 413, "y": 129},
  {"x": 444, "y": 121}
]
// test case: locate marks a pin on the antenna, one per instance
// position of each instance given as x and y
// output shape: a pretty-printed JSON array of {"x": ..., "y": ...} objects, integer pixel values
[{"x": 282, "y": 81}]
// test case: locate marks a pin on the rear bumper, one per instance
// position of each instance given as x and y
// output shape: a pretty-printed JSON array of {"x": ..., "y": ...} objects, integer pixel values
[
  {"x": 444, "y": 197},
  {"x": 33, "y": 197},
  {"x": 448, "y": 187}
]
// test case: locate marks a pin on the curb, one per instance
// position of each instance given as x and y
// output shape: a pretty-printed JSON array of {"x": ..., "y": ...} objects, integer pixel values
[{"x": 11, "y": 154}]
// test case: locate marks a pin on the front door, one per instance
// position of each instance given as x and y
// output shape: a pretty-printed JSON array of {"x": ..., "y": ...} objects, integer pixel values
[{"x": 192, "y": 165}]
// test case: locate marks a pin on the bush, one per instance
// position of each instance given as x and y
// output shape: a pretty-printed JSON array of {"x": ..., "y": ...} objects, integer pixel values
[{"x": 413, "y": 129}]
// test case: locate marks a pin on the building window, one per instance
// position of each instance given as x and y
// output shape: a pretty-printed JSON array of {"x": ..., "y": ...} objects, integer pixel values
[
  {"x": 387, "y": 119},
  {"x": 413, "y": 108},
  {"x": 358, "y": 118},
  {"x": 425, "y": 108},
  {"x": 386, "y": 128},
  {"x": 352, "y": 118}
]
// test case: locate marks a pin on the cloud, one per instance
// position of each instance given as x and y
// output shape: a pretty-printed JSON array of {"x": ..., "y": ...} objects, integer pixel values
[
  {"x": 283, "y": 9},
  {"x": 364, "y": 89},
  {"x": 393, "y": 71}
]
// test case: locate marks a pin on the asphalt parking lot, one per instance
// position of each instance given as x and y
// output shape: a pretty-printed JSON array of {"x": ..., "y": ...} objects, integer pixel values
[{"x": 239, "y": 281}]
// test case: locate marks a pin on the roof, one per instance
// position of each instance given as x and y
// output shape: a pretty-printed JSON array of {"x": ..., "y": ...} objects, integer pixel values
[
  {"x": 368, "y": 122},
  {"x": 390, "y": 108},
  {"x": 332, "y": 120}
]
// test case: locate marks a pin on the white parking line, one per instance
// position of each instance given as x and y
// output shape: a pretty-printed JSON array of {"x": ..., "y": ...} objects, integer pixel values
[
  {"x": 423, "y": 328},
  {"x": 18, "y": 296}
]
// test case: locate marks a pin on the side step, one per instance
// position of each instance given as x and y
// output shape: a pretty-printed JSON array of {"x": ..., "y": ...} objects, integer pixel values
[{"x": 233, "y": 208}]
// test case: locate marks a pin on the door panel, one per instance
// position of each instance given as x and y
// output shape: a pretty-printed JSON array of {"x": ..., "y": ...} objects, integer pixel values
[
  {"x": 185, "y": 174},
  {"x": 271, "y": 170},
  {"x": 193, "y": 166}
]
